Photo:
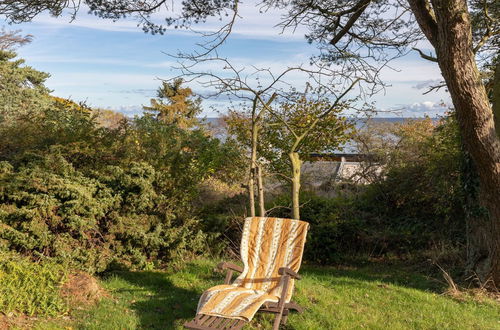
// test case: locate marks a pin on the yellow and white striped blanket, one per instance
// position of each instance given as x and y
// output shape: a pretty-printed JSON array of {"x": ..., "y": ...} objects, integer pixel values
[{"x": 267, "y": 244}]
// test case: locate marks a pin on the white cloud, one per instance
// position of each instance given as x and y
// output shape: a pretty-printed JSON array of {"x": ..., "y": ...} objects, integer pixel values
[
  {"x": 99, "y": 79},
  {"x": 426, "y": 84},
  {"x": 251, "y": 23},
  {"x": 114, "y": 61},
  {"x": 128, "y": 110},
  {"x": 421, "y": 109}
]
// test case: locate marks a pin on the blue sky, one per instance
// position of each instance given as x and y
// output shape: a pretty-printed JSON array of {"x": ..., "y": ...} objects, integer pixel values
[{"x": 115, "y": 65}]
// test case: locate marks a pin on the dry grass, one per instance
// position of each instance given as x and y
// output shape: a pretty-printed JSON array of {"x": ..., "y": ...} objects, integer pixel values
[{"x": 82, "y": 289}]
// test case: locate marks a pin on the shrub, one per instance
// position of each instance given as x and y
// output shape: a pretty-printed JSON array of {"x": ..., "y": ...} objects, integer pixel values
[
  {"x": 32, "y": 288},
  {"x": 91, "y": 196},
  {"x": 48, "y": 208},
  {"x": 416, "y": 205},
  {"x": 334, "y": 234},
  {"x": 420, "y": 200},
  {"x": 223, "y": 221}
]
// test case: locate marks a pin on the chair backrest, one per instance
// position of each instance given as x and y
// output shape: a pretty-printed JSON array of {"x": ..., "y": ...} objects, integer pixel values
[{"x": 267, "y": 244}]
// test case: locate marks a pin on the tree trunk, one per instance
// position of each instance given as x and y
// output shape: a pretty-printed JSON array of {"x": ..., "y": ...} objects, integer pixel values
[
  {"x": 452, "y": 39},
  {"x": 260, "y": 188},
  {"x": 496, "y": 96},
  {"x": 296, "y": 165},
  {"x": 253, "y": 165},
  {"x": 251, "y": 193}
]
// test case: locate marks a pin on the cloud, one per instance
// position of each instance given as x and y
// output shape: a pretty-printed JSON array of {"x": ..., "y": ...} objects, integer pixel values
[
  {"x": 149, "y": 92},
  {"x": 420, "y": 109},
  {"x": 100, "y": 79},
  {"x": 427, "y": 84},
  {"x": 128, "y": 110},
  {"x": 411, "y": 71},
  {"x": 214, "y": 108},
  {"x": 251, "y": 22},
  {"x": 112, "y": 61}
]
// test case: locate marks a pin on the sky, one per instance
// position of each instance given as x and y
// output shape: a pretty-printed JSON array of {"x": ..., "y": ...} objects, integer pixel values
[{"x": 117, "y": 66}]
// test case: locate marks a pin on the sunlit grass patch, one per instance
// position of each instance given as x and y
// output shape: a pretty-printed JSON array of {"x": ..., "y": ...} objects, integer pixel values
[{"x": 373, "y": 296}]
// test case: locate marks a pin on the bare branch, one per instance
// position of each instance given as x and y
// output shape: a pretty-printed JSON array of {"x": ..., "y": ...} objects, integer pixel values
[
  {"x": 220, "y": 36},
  {"x": 435, "y": 88},
  {"x": 425, "y": 56}
]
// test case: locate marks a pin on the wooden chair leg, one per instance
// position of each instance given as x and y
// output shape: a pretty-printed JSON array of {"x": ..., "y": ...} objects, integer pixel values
[
  {"x": 285, "y": 317},
  {"x": 277, "y": 321},
  {"x": 281, "y": 304}
]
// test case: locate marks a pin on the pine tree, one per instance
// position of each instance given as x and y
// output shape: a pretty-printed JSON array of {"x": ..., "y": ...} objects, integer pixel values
[{"x": 176, "y": 105}]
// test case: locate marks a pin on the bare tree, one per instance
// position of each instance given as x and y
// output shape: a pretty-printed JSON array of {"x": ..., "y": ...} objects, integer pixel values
[
  {"x": 249, "y": 88},
  {"x": 237, "y": 83}
]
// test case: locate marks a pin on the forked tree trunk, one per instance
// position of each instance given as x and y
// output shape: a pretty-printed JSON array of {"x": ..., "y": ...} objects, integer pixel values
[
  {"x": 255, "y": 169},
  {"x": 251, "y": 194},
  {"x": 447, "y": 26},
  {"x": 296, "y": 165}
]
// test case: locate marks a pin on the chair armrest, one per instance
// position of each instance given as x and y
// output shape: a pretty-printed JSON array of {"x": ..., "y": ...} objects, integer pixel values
[
  {"x": 228, "y": 265},
  {"x": 287, "y": 271}
]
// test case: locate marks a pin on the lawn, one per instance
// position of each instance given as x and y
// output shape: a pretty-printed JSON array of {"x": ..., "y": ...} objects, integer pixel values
[{"x": 372, "y": 295}]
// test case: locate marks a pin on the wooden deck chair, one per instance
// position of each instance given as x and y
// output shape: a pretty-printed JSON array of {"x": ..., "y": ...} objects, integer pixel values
[{"x": 271, "y": 251}]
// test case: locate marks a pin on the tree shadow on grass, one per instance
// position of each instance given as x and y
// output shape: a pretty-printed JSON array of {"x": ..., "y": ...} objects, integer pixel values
[
  {"x": 396, "y": 274},
  {"x": 158, "y": 302}
]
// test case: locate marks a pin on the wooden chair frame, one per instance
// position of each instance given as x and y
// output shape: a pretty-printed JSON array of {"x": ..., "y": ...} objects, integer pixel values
[{"x": 281, "y": 308}]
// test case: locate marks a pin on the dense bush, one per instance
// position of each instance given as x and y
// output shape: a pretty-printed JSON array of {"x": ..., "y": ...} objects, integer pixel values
[
  {"x": 336, "y": 230},
  {"x": 419, "y": 202},
  {"x": 31, "y": 288},
  {"x": 92, "y": 197},
  {"x": 49, "y": 209},
  {"x": 415, "y": 205},
  {"x": 22, "y": 92}
]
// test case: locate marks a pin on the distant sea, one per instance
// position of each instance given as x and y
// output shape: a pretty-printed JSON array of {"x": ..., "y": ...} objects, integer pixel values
[
  {"x": 215, "y": 124},
  {"x": 215, "y": 121}
]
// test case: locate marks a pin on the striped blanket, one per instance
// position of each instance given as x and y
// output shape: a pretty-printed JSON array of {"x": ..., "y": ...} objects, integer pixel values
[{"x": 267, "y": 244}]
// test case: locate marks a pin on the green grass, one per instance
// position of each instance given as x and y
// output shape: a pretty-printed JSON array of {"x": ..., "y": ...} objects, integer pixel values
[
  {"x": 30, "y": 288},
  {"x": 372, "y": 296}
]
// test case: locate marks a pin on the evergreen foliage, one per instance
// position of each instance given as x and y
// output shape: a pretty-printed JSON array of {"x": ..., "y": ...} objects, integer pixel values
[
  {"x": 22, "y": 90},
  {"x": 176, "y": 104},
  {"x": 92, "y": 197}
]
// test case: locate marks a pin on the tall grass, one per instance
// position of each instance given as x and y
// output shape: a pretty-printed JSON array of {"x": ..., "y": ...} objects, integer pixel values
[{"x": 31, "y": 288}]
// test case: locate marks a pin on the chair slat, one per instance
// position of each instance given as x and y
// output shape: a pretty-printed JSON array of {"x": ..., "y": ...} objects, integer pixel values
[
  {"x": 227, "y": 324},
  {"x": 217, "y": 322},
  {"x": 233, "y": 323},
  {"x": 202, "y": 320},
  {"x": 210, "y": 322},
  {"x": 239, "y": 324}
]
